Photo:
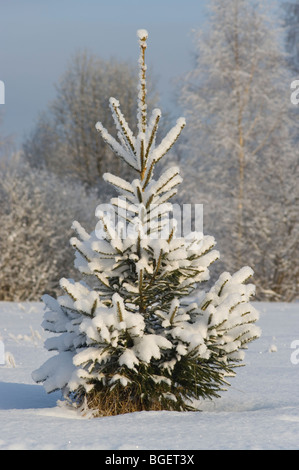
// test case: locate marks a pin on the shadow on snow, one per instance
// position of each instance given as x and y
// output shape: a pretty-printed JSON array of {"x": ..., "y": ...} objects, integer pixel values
[{"x": 25, "y": 396}]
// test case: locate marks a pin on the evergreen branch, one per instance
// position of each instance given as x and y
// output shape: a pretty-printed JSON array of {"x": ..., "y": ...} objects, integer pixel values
[
  {"x": 141, "y": 298},
  {"x": 109, "y": 255},
  {"x": 171, "y": 235},
  {"x": 169, "y": 140},
  {"x": 166, "y": 196},
  {"x": 119, "y": 312},
  {"x": 156, "y": 118},
  {"x": 81, "y": 252},
  {"x": 222, "y": 287},
  {"x": 118, "y": 183},
  {"x": 116, "y": 147},
  {"x": 142, "y": 34},
  {"x": 167, "y": 181},
  {"x": 154, "y": 275},
  {"x": 142, "y": 162},
  {"x": 139, "y": 194},
  {"x": 149, "y": 201},
  {"x": 148, "y": 174},
  {"x": 173, "y": 314},
  {"x": 122, "y": 125},
  {"x": 63, "y": 285},
  {"x": 102, "y": 280}
]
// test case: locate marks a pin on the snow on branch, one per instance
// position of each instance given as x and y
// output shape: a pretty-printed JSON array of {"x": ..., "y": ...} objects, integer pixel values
[
  {"x": 169, "y": 139},
  {"x": 142, "y": 107},
  {"x": 122, "y": 125},
  {"x": 116, "y": 147},
  {"x": 167, "y": 181},
  {"x": 151, "y": 130},
  {"x": 119, "y": 183}
]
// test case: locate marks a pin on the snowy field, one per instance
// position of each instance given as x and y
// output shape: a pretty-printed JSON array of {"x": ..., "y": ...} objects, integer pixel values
[{"x": 259, "y": 411}]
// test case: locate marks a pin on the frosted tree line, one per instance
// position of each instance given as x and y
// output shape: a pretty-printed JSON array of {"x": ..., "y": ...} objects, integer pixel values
[
  {"x": 239, "y": 156},
  {"x": 241, "y": 122},
  {"x": 36, "y": 211}
]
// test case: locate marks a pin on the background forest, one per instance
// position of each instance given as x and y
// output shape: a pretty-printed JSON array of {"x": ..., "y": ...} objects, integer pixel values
[{"x": 238, "y": 155}]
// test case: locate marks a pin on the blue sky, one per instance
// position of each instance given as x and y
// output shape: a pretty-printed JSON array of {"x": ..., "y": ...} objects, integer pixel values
[{"x": 38, "y": 37}]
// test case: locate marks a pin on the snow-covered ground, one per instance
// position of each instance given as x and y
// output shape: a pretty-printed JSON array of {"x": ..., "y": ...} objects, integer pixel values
[{"x": 259, "y": 411}]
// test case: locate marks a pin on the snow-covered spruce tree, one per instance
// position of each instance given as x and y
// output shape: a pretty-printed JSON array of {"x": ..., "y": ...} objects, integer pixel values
[{"x": 134, "y": 339}]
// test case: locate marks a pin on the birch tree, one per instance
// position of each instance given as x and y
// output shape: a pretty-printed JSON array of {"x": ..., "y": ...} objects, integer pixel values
[
  {"x": 291, "y": 24},
  {"x": 237, "y": 102}
]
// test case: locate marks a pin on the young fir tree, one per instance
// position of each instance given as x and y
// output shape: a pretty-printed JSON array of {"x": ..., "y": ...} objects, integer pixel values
[{"x": 132, "y": 339}]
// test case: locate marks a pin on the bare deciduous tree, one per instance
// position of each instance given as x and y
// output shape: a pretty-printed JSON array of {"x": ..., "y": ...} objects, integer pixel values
[{"x": 65, "y": 139}]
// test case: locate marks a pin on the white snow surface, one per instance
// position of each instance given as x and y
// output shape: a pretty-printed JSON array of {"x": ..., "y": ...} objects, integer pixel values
[{"x": 259, "y": 411}]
